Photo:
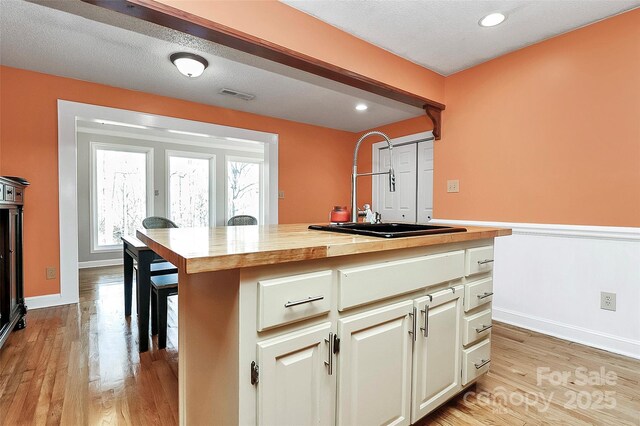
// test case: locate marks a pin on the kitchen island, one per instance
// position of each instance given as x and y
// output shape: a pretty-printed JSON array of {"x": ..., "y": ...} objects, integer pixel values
[{"x": 279, "y": 324}]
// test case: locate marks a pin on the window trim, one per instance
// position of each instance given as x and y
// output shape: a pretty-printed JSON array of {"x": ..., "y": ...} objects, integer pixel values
[
  {"x": 212, "y": 179},
  {"x": 95, "y": 147},
  {"x": 261, "y": 185}
]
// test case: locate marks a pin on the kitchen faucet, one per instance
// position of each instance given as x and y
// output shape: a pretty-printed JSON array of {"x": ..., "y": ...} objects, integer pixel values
[{"x": 355, "y": 175}]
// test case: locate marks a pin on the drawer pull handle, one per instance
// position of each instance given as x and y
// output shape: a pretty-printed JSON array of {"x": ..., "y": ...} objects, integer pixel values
[
  {"x": 483, "y": 262},
  {"x": 483, "y": 328},
  {"x": 425, "y": 329},
  {"x": 482, "y": 363},
  {"x": 485, "y": 295},
  {"x": 303, "y": 301}
]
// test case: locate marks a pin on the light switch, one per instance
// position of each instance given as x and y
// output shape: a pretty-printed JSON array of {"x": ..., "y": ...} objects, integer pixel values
[{"x": 453, "y": 185}]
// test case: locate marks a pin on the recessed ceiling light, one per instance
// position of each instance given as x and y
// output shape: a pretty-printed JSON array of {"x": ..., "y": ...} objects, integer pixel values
[
  {"x": 491, "y": 20},
  {"x": 182, "y": 132},
  {"x": 118, "y": 123},
  {"x": 189, "y": 64},
  {"x": 361, "y": 107}
]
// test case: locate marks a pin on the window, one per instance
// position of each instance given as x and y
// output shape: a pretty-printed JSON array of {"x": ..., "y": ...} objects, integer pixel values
[
  {"x": 121, "y": 192},
  {"x": 190, "y": 181},
  {"x": 244, "y": 187}
]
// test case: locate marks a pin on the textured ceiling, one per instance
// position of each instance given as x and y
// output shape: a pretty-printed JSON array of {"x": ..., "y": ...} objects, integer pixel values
[
  {"x": 77, "y": 40},
  {"x": 444, "y": 35}
]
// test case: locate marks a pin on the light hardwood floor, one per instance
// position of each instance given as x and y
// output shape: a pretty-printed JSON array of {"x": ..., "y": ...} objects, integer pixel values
[{"x": 78, "y": 364}]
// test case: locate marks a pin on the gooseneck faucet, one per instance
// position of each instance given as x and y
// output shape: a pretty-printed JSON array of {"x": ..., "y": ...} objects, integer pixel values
[{"x": 355, "y": 175}]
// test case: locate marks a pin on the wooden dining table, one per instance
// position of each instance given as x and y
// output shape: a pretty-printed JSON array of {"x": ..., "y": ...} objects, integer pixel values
[{"x": 134, "y": 249}]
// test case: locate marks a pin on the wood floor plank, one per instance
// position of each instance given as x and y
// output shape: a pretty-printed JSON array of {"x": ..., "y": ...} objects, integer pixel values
[{"x": 79, "y": 365}]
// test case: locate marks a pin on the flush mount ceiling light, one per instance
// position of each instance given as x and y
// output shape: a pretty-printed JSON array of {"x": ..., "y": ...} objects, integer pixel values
[
  {"x": 189, "y": 64},
  {"x": 361, "y": 107},
  {"x": 491, "y": 20}
]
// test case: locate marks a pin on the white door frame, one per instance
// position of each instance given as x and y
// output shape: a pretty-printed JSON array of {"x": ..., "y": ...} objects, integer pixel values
[
  {"x": 403, "y": 140},
  {"x": 68, "y": 114}
]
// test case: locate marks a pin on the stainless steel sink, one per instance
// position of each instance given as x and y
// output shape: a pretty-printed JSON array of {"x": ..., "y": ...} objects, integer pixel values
[{"x": 388, "y": 230}]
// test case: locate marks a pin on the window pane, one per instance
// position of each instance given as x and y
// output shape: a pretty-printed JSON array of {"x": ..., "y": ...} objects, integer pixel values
[
  {"x": 243, "y": 189},
  {"x": 121, "y": 189},
  {"x": 189, "y": 191}
]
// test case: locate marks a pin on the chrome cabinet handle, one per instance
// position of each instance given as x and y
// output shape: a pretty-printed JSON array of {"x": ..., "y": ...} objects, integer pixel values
[
  {"x": 412, "y": 332},
  {"x": 482, "y": 363},
  {"x": 329, "y": 363},
  {"x": 482, "y": 262},
  {"x": 483, "y": 328},
  {"x": 303, "y": 301},
  {"x": 485, "y": 294},
  {"x": 425, "y": 329}
]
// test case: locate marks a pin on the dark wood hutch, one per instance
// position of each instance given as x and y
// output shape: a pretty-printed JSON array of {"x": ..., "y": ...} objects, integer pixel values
[{"x": 12, "y": 306}]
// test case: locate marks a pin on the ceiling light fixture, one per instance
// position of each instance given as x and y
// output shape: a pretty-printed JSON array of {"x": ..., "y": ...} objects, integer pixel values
[
  {"x": 189, "y": 64},
  {"x": 182, "y": 132},
  {"x": 361, "y": 107},
  {"x": 491, "y": 20},
  {"x": 118, "y": 123}
]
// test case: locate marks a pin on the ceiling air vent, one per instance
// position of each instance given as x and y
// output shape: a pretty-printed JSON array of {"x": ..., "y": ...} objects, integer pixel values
[{"x": 236, "y": 94}]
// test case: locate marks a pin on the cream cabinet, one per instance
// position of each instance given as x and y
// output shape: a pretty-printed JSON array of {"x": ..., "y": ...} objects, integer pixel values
[
  {"x": 374, "y": 377},
  {"x": 296, "y": 381},
  {"x": 437, "y": 350},
  {"x": 370, "y": 343}
]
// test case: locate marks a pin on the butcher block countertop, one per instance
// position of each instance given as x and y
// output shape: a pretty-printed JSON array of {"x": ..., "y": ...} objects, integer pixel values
[{"x": 197, "y": 250}]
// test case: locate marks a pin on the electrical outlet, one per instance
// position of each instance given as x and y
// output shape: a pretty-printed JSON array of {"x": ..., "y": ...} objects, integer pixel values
[
  {"x": 608, "y": 301},
  {"x": 281, "y": 194},
  {"x": 453, "y": 185},
  {"x": 51, "y": 273}
]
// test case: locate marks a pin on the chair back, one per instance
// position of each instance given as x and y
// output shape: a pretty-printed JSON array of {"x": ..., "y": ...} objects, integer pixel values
[
  {"x": 242, "y": 219},
  {"x": 157, "y": 222}
]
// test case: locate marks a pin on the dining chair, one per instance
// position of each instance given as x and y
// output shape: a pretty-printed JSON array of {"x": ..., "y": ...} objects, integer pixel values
[{"x": 242, "y": 219}]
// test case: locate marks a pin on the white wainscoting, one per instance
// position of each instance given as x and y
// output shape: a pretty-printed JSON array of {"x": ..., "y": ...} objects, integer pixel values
[{"x": 548, "y": 278}]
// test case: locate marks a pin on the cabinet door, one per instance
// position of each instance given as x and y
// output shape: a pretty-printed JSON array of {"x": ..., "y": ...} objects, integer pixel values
[
  {"x": 398, "y": 206},
  {"x": 374, "y": 383},
  {"x": 13, "y": 271},
  {"x": 425, "y": 181},
  {"x": 295, "y": 387},
  {"x": 437, "y": 351}
]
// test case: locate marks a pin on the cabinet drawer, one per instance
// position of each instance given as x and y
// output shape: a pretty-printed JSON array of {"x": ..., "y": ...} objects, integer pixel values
[
  {"x": 368, "y": 283},
  {"x": 476, "y": 327},
  {"x": 475, "y": 361},
  {"x": 479, "y": 260},
  {"x": 294, "y": 298},
  {"x": 478, "y": 293},
  {"x": 18, "y": 196},
  {"x": 8, "y": 192}
]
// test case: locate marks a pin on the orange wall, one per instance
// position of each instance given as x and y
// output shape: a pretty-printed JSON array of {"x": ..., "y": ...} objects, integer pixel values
[
  {"x": 314, "y": 161},
  {"x": 288, "y": 27},
  {"x": 547, "y": 134}
]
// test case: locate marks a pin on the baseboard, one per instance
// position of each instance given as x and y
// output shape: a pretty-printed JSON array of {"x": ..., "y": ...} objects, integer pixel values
[
  {"x": 99, "y": 263},
  {"x": 607, "y": 342},
  {"x": 46, "y": 301}
]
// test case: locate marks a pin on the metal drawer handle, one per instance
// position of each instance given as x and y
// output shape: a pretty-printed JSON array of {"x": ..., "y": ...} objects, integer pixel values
[
  {"x": 485, "y": 295},
  {"x": 483, "y": 328},
  {"x": 482, "y": 262},
  {"x": 482, "y": 363},
  {"x": 303, "y": 301}
]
